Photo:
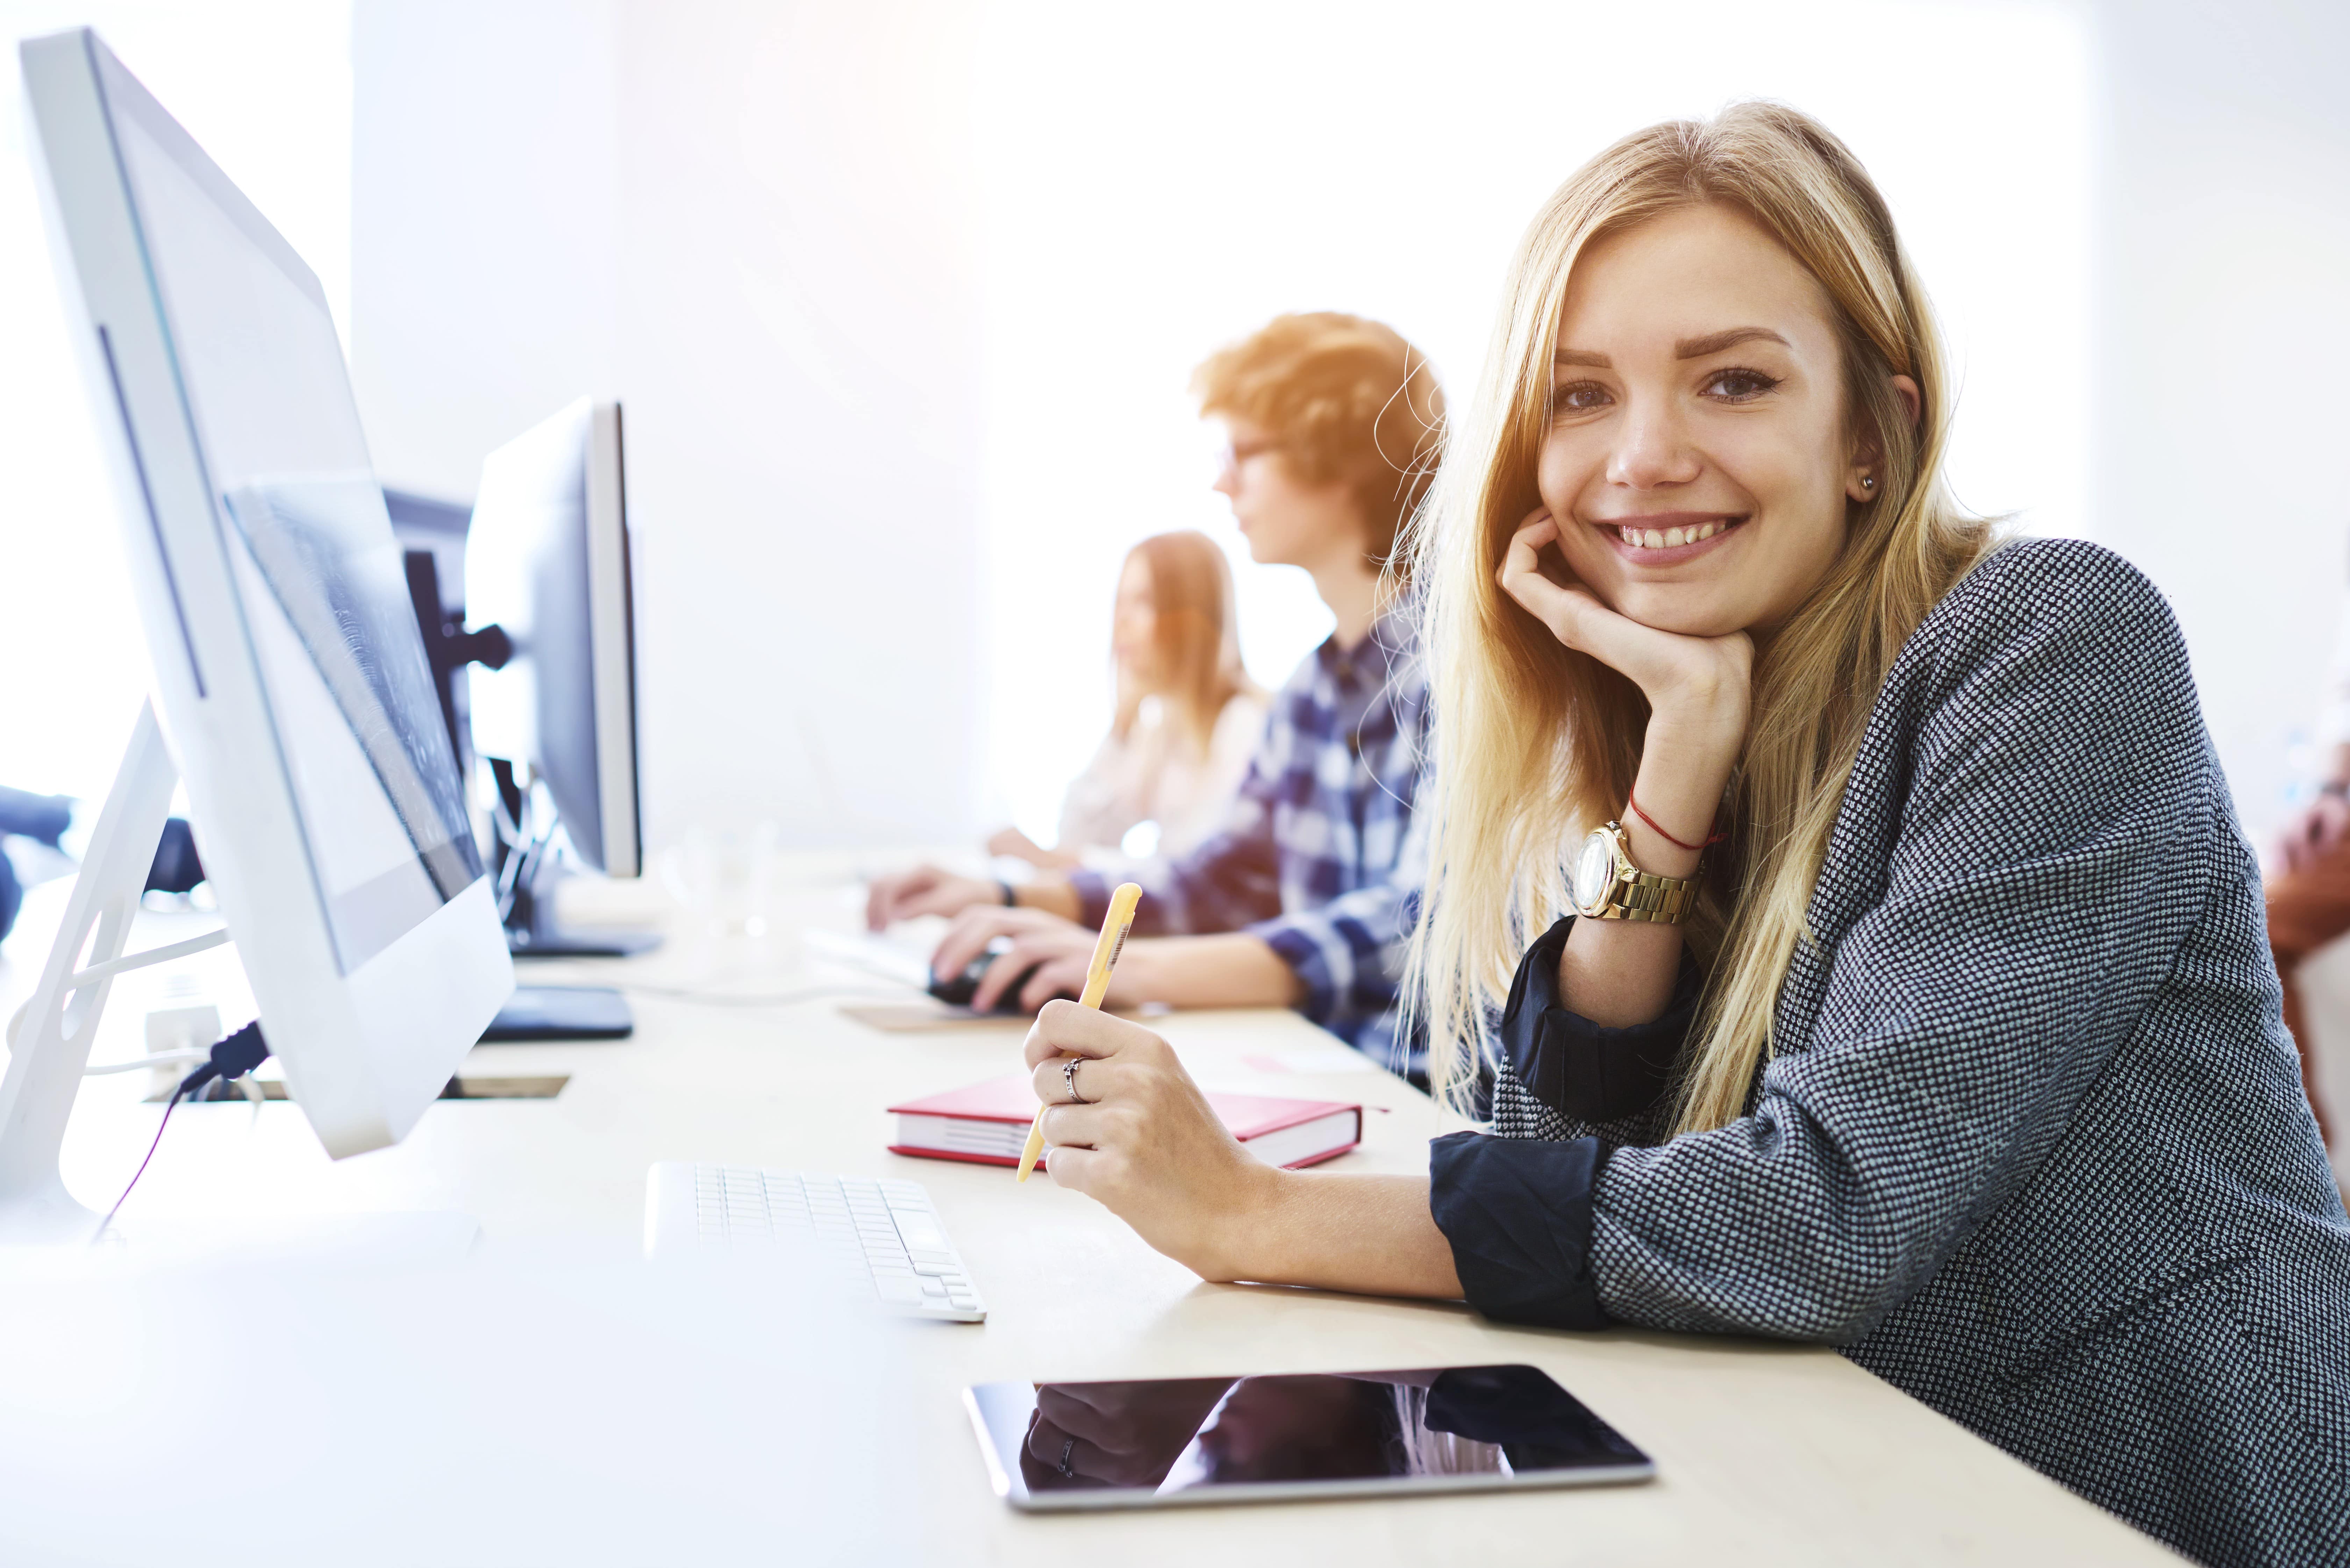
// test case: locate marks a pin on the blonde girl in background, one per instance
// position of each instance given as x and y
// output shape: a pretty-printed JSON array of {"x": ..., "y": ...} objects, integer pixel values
[{"x": 1188, "y": 718}]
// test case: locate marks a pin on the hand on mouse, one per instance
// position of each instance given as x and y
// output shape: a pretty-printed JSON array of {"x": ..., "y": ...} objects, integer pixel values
[{"x": 1058, "y": 950}]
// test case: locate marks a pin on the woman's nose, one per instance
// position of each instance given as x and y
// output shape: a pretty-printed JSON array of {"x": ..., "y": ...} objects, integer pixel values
[{"x": 1651, "y": 451}]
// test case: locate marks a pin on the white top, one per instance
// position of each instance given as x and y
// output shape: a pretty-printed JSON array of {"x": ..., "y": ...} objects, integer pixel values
[{"x": 1153, "y": 776}]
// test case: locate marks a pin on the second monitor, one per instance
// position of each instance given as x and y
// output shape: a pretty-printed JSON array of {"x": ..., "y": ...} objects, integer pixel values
[{"x": 547, "y": 560}]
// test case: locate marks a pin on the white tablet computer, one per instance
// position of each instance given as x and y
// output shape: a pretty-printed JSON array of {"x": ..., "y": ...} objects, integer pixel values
[{"x": 1162, "y": 1441}]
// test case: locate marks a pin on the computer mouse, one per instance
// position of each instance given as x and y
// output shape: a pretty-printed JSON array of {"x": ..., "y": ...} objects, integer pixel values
[{"x": 956, "y": 990}]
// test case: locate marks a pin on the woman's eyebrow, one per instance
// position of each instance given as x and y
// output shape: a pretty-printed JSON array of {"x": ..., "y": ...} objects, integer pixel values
[
  {"x": 1715, "y": 342},
  {"x": 1583, "y": 357}
]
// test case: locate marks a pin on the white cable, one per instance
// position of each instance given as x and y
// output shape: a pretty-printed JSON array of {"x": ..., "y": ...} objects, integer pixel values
[
  {"x": 152, "y": 956},
  {"x": 756, "y": 999},
  {"x": 160, "y": 1059}
]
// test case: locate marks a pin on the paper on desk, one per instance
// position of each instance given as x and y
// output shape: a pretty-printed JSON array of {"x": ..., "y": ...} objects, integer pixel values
[
  {"x": 1313, "y": 1059},
  {"x": 919, "y": 1015}
]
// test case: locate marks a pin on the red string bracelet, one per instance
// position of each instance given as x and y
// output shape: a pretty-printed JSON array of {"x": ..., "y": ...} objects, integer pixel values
[{"x": 1658, "y": 828}]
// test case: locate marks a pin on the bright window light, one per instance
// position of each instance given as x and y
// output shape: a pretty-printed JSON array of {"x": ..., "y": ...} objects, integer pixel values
[
  {"x": 1157, "y": 189},
  {"x": 266, "y": 87}
]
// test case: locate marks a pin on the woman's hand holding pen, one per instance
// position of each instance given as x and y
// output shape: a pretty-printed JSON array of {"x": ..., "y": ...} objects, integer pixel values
[
  {"x": 1148, "y": 1146},
  {"x": 1145, "y": 1143}
]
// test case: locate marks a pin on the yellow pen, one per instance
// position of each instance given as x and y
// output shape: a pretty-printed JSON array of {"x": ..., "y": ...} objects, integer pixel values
[{"x": 1106, "y": 948}]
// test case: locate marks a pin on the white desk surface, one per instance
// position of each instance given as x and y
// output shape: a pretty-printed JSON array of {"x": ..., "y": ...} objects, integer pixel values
[{"x": 1766, "y": 1452}]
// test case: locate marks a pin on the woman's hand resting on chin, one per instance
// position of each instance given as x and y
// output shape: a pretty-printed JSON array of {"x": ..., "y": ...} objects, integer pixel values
[
  {"x": 1146, "y": 1144},
  {"x": 1698, "y": 688}
]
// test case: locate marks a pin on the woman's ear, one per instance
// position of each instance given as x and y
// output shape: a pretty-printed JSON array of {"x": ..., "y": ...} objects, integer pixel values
[{"x": 1861, "y": 483}]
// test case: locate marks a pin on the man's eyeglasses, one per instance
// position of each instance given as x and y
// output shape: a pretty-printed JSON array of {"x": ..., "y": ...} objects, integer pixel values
[{"x": 1236, "y": 452}]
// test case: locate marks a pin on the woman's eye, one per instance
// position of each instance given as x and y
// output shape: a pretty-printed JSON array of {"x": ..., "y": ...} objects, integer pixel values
[
  {"x": 1739, "y": 385},
  {"x": 1579, "y": 396}
]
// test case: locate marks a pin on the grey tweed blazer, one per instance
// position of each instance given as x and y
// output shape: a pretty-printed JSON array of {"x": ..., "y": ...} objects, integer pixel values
[{"x": 2033, "y": 1144}]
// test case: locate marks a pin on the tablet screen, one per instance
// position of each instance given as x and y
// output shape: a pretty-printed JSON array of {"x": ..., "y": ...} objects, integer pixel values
[{"x": 1208, "y": 1439}]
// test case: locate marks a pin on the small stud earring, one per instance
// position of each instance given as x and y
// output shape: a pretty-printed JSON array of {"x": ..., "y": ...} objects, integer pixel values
[{"x": 1866, "y": 482}]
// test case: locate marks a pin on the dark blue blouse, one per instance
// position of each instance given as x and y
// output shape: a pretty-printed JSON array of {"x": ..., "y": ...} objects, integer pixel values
[{"x": 1518, "y": 1211}]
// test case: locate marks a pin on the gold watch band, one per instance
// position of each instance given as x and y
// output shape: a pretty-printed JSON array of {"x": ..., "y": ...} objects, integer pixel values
[
  {"x": 1637, "y": 895},
  {"x": 1644, "y": 896}
]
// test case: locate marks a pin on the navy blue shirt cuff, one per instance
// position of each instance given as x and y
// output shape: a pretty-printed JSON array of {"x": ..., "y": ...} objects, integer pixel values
[
  {"x": 1591, "y": 1071},
  {"x": 1306, "y": 960},
  {"x": 1092, "y": 889},
  {"x": 1517, "y": 1213}
]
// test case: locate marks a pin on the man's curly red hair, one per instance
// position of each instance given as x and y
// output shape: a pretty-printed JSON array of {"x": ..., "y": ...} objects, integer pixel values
[{"x": 1347, "y": 399}]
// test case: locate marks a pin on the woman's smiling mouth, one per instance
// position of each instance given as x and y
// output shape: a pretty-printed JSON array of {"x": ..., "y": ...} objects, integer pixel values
[{"x": 1666, "y": 538}]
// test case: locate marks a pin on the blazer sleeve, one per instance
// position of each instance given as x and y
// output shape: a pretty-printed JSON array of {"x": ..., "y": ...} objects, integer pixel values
[
  {"x": 2009, "y": 909},
  {"x": 1591, "y": 1072}
]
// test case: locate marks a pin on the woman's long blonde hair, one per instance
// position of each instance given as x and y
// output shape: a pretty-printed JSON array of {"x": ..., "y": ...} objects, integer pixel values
[{"x": 1536, "y": 744}]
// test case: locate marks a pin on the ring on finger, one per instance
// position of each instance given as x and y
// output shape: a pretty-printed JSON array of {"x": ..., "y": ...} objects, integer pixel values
[{"x": 1069, "y": 1079}]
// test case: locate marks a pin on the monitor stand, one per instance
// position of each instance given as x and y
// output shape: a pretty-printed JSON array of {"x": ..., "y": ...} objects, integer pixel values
[
  {"x": 49, "y": 1042},
  {"x": 532, "y": 930},
  {"x": 525, "y": 867}
]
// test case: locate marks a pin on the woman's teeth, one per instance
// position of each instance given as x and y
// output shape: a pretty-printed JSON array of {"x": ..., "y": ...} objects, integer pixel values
[{"x": 1666, "y": 538}]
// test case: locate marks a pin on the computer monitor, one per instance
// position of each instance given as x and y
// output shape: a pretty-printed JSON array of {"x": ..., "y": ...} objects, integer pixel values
[
  {"x": 548, "y": 564},
  {"x": 287, "y": 674}
]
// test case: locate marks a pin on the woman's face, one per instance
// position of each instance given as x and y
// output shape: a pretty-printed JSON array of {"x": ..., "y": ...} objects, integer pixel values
[
  {"x": 1698, "y": 461},
  {"x": 1134, "y": 625}
]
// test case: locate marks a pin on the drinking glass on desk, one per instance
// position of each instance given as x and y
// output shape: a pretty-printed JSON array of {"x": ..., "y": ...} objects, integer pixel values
[{"x": 724, "y": 879}]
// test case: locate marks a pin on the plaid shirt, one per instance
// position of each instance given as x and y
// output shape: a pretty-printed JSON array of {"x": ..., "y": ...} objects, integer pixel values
[{"x": 1319, "y": 858}]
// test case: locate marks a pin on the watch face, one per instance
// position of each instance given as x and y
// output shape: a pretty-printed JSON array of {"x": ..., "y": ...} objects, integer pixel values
[{"x": 1595, "y": 868}]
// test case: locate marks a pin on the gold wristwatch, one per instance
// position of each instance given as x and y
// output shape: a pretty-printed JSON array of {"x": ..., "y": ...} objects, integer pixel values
[{"x": 1608, "y": 886}]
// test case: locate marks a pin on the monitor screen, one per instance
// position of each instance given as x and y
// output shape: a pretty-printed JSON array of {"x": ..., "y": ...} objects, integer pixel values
[{"x": 319, "y": 576}]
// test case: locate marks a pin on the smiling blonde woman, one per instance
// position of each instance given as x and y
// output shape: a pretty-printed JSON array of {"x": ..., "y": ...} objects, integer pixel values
[{"x": 1893, "y": 972}]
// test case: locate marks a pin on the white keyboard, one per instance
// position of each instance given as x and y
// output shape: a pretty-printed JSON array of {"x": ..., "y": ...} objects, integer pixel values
[
  {"x": 883, "y": 1232},
  {"x": 874, "y": 955}
]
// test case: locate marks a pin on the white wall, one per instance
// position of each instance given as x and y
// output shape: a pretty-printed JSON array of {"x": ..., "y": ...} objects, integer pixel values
[
  {"x": 903, "y": 299},
  {"x": 485, "y": 249},
  {"x": 750, "y": 223},
  {"x": 907, "y": 296},
  {"x": 265, "y": 85},
  {"x": 1159, "y": 185},
  {"x": 2222, "y": 331}
]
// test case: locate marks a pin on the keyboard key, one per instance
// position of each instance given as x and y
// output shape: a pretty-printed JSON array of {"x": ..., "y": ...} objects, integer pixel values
[{"x": 887, "y": 1232}]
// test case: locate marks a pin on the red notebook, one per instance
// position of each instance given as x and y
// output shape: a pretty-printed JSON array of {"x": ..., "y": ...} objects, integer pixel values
[{"x": 987, "y": 1124}]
